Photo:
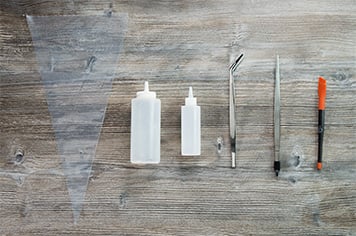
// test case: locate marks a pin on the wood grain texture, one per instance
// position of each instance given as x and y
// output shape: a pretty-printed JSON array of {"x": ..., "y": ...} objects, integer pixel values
[{"x": 174, "y": 45}]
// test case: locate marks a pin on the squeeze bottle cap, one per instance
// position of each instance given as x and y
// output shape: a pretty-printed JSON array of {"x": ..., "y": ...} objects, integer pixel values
[
  {"x": 146, "y": 93},
  {"x": 190, "y": 100}
]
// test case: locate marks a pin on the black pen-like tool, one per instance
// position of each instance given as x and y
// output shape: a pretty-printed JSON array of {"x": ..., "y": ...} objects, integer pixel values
[{"x": 321, "y": 119}]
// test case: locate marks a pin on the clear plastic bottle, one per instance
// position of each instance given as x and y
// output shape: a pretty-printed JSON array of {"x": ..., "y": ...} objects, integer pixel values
[
  {"x": 145, "y": 127},
  {"x": 190, "y": 126}
]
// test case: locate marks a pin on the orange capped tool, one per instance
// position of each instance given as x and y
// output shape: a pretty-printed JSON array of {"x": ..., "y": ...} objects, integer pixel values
[{"x": 321, "y": 119}]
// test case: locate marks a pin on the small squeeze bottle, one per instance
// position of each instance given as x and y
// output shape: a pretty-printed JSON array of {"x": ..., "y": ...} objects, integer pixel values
[{"x": 190, "y": 126}]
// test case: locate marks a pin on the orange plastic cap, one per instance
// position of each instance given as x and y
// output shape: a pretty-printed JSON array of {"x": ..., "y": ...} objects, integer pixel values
[
  {"x": 319, "y": 165},
  {"x": 322, "y": 93}
]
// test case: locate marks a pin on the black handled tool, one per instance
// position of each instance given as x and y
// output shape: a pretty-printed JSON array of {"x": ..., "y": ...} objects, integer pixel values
[{"x": 321, "y": 119}]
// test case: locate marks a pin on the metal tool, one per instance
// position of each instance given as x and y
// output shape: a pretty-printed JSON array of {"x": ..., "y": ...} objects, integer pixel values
[
  {"x": 232, "y": 113},
  {"x": 277, "y": 118}
]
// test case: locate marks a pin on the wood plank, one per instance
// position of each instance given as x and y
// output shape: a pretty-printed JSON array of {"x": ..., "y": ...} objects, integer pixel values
[{"x": 174, "y": 45}]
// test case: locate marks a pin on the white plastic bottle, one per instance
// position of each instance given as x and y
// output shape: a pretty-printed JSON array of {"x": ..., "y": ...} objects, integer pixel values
[
  {"x": 145, "y": 127},
  {"x": 190, "y": 126}
]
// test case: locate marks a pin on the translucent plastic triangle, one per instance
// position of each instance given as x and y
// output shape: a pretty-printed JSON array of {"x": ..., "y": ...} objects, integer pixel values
[{"x": 77, "y": 58}]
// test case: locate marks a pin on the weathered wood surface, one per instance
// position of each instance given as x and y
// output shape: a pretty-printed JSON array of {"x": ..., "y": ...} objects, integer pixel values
[{"x": 176, "y": 44}]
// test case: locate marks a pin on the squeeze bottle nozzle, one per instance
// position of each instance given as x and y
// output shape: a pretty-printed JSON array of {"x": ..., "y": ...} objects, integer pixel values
[
  {"x": 146, "y": 92},
  {"x": 190, "y": 100}
]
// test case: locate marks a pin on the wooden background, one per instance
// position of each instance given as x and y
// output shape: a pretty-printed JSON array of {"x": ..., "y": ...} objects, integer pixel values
[{"x": 173, "y": 45}]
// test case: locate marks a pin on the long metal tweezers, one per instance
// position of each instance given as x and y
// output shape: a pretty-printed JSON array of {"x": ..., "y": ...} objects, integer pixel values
[
  {"x": 232, "y": 113},
  {"x": 277, "y": 97}
]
